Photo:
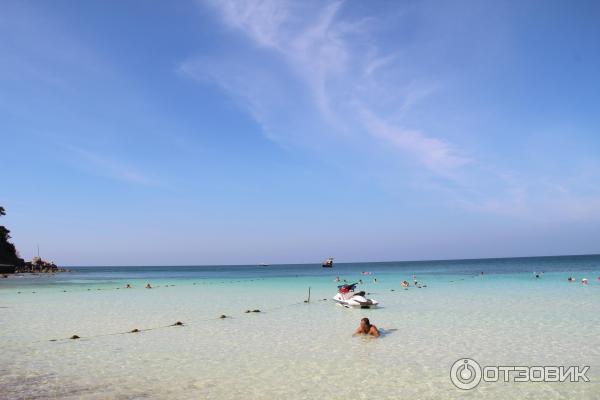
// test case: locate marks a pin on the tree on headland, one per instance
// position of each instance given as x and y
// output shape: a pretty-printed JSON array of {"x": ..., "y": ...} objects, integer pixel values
[{"x": 8, "y": 252}]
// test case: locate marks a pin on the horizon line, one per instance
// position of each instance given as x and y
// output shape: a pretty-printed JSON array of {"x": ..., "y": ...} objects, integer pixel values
[{"x": 345, "y": 262}]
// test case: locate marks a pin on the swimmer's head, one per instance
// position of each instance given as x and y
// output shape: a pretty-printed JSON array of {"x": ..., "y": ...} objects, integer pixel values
[{"x": 365, "y": 323}]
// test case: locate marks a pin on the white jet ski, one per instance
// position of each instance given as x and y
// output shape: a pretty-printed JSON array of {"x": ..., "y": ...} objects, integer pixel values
[{"x": 347, "y": 297}]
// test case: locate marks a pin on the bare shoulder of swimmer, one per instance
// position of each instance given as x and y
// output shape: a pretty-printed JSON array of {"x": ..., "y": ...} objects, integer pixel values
[{"x": 374, "y": 331}]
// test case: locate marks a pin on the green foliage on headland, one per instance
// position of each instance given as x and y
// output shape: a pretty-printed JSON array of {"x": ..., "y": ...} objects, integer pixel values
[{"x": 8, "y": 252}]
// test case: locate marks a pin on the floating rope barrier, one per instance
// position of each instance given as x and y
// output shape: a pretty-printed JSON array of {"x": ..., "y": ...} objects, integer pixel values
[{"x": 176, "y": 324}]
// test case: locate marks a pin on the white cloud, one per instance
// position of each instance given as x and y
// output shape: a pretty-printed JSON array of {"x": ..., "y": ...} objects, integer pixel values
[
  {"x": 436, "y": 154},
  {"x": 261, "y": 20},
  {"x": 319, "y": 47},
  {"x": 333, "y": 79}
]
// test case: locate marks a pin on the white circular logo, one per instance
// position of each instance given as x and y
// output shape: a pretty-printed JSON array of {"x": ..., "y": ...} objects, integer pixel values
[{"x": 465, "y": 373}]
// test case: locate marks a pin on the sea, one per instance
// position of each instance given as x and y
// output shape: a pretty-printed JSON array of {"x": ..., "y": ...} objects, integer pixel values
[{"x": 282, "y": 336}]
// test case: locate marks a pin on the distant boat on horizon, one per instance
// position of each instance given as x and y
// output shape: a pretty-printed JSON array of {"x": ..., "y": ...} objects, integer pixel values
[
  {"x": 263, "y": 265},
  {"x": 328, "y": 263}
]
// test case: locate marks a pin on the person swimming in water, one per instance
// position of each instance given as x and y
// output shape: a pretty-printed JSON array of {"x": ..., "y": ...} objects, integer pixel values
[{"x": 365, "y": 328}]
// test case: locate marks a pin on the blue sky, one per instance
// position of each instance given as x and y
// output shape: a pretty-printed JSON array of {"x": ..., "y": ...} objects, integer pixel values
[{"x": 206, "y": 132}]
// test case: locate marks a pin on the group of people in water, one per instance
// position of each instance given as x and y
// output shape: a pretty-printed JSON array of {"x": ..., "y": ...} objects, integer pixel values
[
  {"x": 405, "y": 284},
  {"x": 584, "y": 281}
]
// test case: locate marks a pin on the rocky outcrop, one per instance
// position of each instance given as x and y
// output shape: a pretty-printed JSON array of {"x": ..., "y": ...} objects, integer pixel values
[
  {"x": 9, "y": 257},
  {"x": 37, "y": 265},
  {"x": 10, "y": 262}
]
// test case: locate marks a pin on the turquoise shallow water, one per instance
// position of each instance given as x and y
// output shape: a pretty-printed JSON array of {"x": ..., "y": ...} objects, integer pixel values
[{"x": 504, "y": 316}]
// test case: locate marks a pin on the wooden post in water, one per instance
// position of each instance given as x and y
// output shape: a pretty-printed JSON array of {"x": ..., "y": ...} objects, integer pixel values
[{"x": 308, "y": 301}]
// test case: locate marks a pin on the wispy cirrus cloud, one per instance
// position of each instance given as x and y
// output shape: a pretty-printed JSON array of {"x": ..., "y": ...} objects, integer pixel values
[
  {"x": 337, "y": 64},
  {"x": 436, "y": 154},
  {"x": 310, "y": 73}
]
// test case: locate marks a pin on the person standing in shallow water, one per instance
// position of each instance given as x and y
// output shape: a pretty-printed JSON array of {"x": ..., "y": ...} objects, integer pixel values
[{"x": 365, "y": 328}]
